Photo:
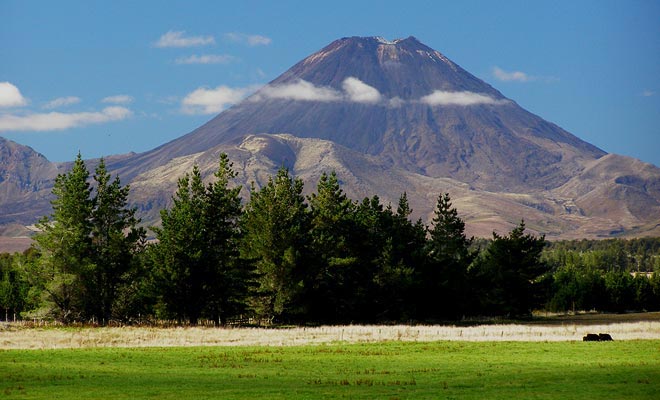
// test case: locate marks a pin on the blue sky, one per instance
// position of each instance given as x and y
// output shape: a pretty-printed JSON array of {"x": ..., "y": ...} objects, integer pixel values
[{"x": 109, "y": 77}]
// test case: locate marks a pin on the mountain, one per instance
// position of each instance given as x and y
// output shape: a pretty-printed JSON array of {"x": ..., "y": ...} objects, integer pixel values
[
  {"x": 425, "y": 114},
  {"x": 26, "y": 179},
  {"x": 395, "y": 116}
]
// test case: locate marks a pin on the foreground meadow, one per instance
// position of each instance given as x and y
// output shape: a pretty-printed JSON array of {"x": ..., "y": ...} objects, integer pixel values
[{"x": 386, "y": 370}]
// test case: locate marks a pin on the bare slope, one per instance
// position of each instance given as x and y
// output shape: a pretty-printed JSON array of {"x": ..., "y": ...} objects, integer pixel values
[{"x": 465, "y": 130}]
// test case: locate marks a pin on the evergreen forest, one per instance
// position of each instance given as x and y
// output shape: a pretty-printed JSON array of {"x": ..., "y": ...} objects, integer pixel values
[{"x": 282, "y": 257}]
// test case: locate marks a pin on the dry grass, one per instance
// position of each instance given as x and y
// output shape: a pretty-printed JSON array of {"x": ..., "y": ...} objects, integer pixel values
[{"x": 16, "y": 337}]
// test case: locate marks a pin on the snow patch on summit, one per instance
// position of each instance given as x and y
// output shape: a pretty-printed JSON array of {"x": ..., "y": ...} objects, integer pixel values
[{"x": 382, "y": 40}]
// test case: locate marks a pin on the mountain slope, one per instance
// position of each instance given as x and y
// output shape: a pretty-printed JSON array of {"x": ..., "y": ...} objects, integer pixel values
[
  {"x": 425, "y": 115},
  {"x": 26, "y": 179}
]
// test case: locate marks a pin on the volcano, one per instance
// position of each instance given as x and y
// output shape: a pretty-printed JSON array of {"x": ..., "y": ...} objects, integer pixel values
[
  {"x": 395, "y": 116},
  {"x": 409, "y": 106}
]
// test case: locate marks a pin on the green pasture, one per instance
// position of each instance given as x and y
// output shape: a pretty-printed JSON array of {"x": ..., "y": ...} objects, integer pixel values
[{"x": 391, "y": 370}]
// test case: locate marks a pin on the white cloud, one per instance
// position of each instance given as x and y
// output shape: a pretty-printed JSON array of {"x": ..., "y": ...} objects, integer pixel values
[
  {"x": 212, "y": 101},
  {"x": 58, "y": 121},
  {"x": 250, "y": 40},
  {"x": 354, "y": 91},
  {"x": 10, "y": 96},
  {"x": 360, "y": 92},
  {"x": 648, "y": 93},
  {"x": 206, "y": 59},
  {"x": 396, "y": 102},
  {"x": 118, "y": 99},
  {"x": 61, "y": 102},
  {"x": 442, "y": 98},
  {"x": 179, "y": 39},
  {"x": 299, "y": 90},
  {"x": 515, "y": 76}
]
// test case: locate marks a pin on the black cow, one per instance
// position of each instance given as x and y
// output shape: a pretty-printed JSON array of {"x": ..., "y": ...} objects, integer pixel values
[
  {"x": 591, "y": 337},
  {"x": 605, "y": 337}
]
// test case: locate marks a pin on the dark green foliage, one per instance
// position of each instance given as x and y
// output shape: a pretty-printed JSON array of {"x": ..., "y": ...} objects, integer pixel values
[
  {"x": 197, "y": 265},
  {"x": 14, "y": 285},
  {"x": 116, "y": 240},
  {"x": 276, "y": 225},
  {"x": 444, "y": 277},
  {"x": 180, "y": 250},
  {"x": 577, "y": 289},
  {"x": 398, "y": 251},
  {"x": 65, "y": 245},
  {"x": 338, "y": 279},
  {"x": 508, "y": 273},
  {"x": 229, "y": 277},
  {"x": 87, "y": 247}
]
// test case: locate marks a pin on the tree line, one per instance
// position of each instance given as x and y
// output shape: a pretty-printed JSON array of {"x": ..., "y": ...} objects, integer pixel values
[{"x": 287, "y": 257}]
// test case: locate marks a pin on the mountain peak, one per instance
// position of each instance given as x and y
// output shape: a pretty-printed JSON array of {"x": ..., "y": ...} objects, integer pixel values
[
  {"x": 410, "y": 106},
  {"x": 401, "y": 68}
]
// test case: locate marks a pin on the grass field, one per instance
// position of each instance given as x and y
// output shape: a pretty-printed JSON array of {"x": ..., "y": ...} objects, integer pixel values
[
  {"x": 386, "y": 370},
  {"x": 16, "y": 336}
]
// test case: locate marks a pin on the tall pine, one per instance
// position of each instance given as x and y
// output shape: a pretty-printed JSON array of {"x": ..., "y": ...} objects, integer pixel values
[
  {"x": 181, "y": 251},
  {"x": 444, "y": 276},
  {"x": 115, "y": 241},
  {"x": 229, "y": 277},
  {"x": 508, "y": 273},
  {"x": 336, "y": 264},
  {"x": 276, "y": 225},
  {"x": 200, "y": 272},
  {"x": 65, "y": 245}
]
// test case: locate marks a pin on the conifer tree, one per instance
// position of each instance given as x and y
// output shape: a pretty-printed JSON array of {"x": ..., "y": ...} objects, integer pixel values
[
  {"x": 199, "y": 270},
  {"x": 445, "y": 274},
  {"x": 229, "y": 277},
  {"x": 65, "y": 246},
  {"x": 181, "y": 250},
  {"x": 115, "y": 240},
  {"x": 508, "y": 273},
  {"x": 335, "y": 260},
  {"x": 276, "y": 225}
]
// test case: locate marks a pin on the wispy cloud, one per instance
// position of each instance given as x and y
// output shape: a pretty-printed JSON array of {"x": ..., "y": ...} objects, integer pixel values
[
  {"x": 443, "y": 98},
  {"x": 513, "y": 76},
  {"x": 212, "y": 101},
  {"x": 360, "y": 92},
  {"x": 250, "y": 40},
  {"x": 58, "y": 121},
  {"x": 118, "y": 99},
  {"x": 206, "y": 59},
  {"x": 648, "y": 93},
  {"x": 354, "y": 90},
  {"x": 61, "y": 102},
  {"x": 179, "y": 39},
  {"x": 10, "y": 96},
  {"x": 299, "y": 90}
]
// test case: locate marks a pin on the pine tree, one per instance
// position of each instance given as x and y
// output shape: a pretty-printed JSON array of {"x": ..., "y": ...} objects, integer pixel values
[
  {"x": 276, "y": 226},
  {"x": 509, "y": 271},
  {"x": 335, "y": 273},
  {"x": 115, "y": 240},
  {"x": 181, "y": 250},
  {"x": 229, "y": 277},
  {"x": 445, "y": 274},
  {"x": 199, "y": 269},
  {"x": 401, "y": 257},
  {"x": 65, "y": 245}
]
